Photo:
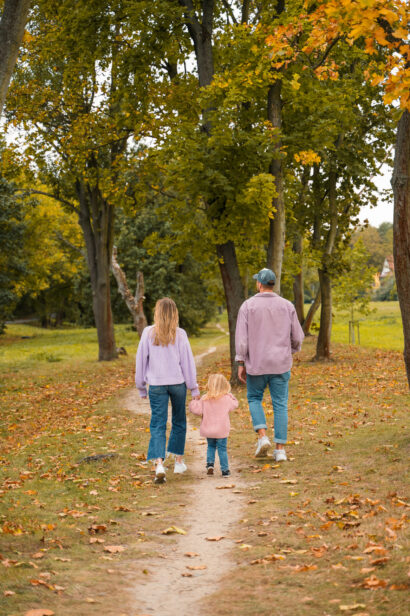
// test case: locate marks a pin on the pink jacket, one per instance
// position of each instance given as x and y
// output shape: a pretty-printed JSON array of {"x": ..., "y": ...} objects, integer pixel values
[{"x": 215, "y": 415}]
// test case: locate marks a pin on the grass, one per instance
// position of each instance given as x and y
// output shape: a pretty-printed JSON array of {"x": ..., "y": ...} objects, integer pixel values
[
  {"x": 347, "y": 456},
  {"x": 381, "y": 329}
]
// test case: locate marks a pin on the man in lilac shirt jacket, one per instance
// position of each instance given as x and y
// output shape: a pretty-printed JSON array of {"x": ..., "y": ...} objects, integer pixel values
[{"x": 268, "y": 332}]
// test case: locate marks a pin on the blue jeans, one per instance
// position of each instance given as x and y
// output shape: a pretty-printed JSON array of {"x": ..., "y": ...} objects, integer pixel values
[
  {"x": 279, "y": 389},
  {"x": 219, "y": 444},
  {"x": 159, "y": 396}
]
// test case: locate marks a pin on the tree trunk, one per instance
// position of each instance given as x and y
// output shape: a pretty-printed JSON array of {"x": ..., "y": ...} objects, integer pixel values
[
  {"x": 325, "y": 331},
  {"x": 96, "y": 219},
  {"x": 200, "y": 30},
  {"x": 298, "y": 294},
  {"x": 134, "y": 304},
  {"x": 401, "y": 228},
  {"x": 311, "y": 313},
  {"x": 276, "y": 244},
  {"x": 234, "y": 294},
  {"x": 12, "y": 24}
]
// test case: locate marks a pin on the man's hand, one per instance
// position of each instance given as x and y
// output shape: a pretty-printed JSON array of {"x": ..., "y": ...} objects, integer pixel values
[{"x": 242, "y": 374}]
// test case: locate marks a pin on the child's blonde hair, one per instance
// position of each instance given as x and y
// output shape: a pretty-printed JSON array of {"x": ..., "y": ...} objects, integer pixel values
[
  {"x": 217, "y": 386},
  {"x": 165, "y": 322}
]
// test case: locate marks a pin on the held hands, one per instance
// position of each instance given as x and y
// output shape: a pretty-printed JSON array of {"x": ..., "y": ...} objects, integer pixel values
[
  {"x": 195, "y": 397},
  {"x": 242, "y": 374}
]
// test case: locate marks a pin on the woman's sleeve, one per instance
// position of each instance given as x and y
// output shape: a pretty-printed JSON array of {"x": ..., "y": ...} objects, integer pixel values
[
  {"x": 187, "y": 362},
  {"x": 196, "y": 407},
  {"x": 141, "y": 363}
]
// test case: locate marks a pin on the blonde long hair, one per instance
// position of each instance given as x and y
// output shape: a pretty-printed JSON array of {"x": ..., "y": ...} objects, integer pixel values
[
  {"x": 217, "y": 386},
  {"x": 165, "y": 322}
]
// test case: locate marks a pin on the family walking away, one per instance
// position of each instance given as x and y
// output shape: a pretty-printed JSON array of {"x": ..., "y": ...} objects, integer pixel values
[
  {"x": 268, "y": 332},
  {"x": 214, "y": 407},
  {"x": 165, "y": 363}
]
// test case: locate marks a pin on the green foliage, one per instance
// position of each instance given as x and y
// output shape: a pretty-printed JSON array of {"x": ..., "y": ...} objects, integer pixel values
[
  {"x": 353, "y": 289},
  {"x": 13, "y": 262}
]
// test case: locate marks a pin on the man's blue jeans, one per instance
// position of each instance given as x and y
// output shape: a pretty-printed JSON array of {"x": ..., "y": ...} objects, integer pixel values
[
  {"x": 219, "y": 444},
  {"x": 279, "y": 389},
  {"x": 159, "y": 395}
]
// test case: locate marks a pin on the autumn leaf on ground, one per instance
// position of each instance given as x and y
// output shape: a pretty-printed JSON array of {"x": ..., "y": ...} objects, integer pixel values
[
  {"x": 172, "y": 530},
  {"x": 374, "y": 582},
  {"x": 186, "y": 574},
  {"x": 39, "y": 612},
  {"x": 9, "y": 593},
  {"x": 291, "y": 481},
  {"x": 191, "y": 554},
  {"x": 349, "y": 608},
  {"x": 226, "y": 486},
  {"x": 114, "y": 549},
  {"x": 196, "y": 567},
  {"x": 217, "y": 538},
  {"x": 97, "y": 528}
]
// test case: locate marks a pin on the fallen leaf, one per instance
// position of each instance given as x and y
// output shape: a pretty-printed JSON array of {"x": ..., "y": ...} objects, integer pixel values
[
  {"x": 186, "y": 574},
  {"x": 380, "y": 561},
  {"x": 349, "y": 608},
  {"x": 291, "y": 481},
  {"x": 244, "y": 546},
  {"x": 227, "y": 486},
  {"x": 38, "y": 555},
  {"x": 217, "y": 538},
  {"x": 97, "y": 528},
  {"x": 191, "y": 554},
  {"x": 196, "y": 567},
  {"x": 90, "y": 600},
  {"x": 39, "y": 612},
  {"x": 373, "y": 582},
  {"x": 9, "y": 593},
  {"x": 172, "y": 530},
  {"x": 114, "y": 549}
]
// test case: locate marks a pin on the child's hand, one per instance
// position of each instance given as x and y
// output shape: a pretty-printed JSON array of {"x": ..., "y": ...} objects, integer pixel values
[{"x": 196, "y": 397}]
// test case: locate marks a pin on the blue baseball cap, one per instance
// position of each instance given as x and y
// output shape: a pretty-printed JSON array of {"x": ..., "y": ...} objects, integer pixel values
[{"x": 265, "y": 276}]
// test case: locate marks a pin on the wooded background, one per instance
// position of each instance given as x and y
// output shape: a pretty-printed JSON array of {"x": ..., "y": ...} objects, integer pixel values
[{"x": 205, "y": 140}]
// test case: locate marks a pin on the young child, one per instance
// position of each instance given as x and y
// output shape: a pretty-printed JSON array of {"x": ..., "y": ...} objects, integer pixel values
[{"x": 214, "y": 407}]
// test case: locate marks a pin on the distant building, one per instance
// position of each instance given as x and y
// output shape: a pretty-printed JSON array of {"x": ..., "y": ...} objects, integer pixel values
[{"x": 388, "y": 267}]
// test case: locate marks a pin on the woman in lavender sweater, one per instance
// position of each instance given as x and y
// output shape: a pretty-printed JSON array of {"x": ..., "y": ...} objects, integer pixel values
[{"x": 165, "y": 362}]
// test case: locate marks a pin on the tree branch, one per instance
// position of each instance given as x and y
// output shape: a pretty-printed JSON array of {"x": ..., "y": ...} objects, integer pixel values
[
  {"x": 327, "y": 52},
  {"x": 230, "y": 11},
  {"x": 26, "y": 191}
]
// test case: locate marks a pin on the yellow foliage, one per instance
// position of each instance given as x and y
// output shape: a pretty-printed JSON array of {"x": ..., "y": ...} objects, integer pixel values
[{"x": 307, "y": 157}]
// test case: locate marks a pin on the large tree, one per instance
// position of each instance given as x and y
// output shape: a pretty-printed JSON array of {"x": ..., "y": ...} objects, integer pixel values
[
  {"x": 12, "y": 23},
  {"x": 83, "y": 97}
]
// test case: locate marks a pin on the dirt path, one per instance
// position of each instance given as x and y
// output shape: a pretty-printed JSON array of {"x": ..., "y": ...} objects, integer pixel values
[{"x": 212, "y": 512}]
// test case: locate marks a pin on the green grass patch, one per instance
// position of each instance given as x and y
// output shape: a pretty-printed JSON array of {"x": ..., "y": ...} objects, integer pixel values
[{"x": 381, "y": 329}]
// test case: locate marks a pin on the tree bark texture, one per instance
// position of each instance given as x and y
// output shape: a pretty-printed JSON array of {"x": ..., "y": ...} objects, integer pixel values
[
  {"x": 401, "y": 228},
  {"x": 325, "y": 330},
  {"x": 12, "y": 24},
  {"x": 134, "y": 304},
  {"x": 311, "y": 313},
  {"x": 276, "y": 244},
  {"x": 96, "y": 219},
  {"x": 234, "y": 294},
  {"x": 298, "y": 295}
]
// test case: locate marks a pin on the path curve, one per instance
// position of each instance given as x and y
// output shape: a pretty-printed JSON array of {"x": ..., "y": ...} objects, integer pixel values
[{"x": 212, "y": 512}]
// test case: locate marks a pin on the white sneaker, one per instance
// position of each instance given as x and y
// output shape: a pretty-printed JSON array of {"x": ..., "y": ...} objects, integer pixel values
[
  {"x": 180, "y": 467},
  {"x": 160, "y": 473},
  {"x": 280, "y": 455},
  {"x": 263, "y": 446}
]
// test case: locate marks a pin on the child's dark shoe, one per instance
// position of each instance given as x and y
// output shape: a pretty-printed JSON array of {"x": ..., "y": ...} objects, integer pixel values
[
  {"x": 226, "y": 473},
  {"x": 209, "y": 469}
]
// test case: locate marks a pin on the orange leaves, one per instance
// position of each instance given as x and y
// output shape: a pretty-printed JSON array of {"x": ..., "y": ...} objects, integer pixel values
[
  {"x": 39, "y": 612},
  {"x": 374, "y": 582},
  {"x": 114, "y": 549}
]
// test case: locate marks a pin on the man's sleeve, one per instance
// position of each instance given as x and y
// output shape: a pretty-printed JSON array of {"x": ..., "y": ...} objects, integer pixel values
[
  {"x": 241, "y": 334},
  {"x": 296, "y": 332}
]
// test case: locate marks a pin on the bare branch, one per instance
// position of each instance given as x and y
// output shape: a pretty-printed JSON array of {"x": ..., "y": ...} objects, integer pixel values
[
  {"x": 26, "y": 191},
  {"x": 327, "y": 52}
]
